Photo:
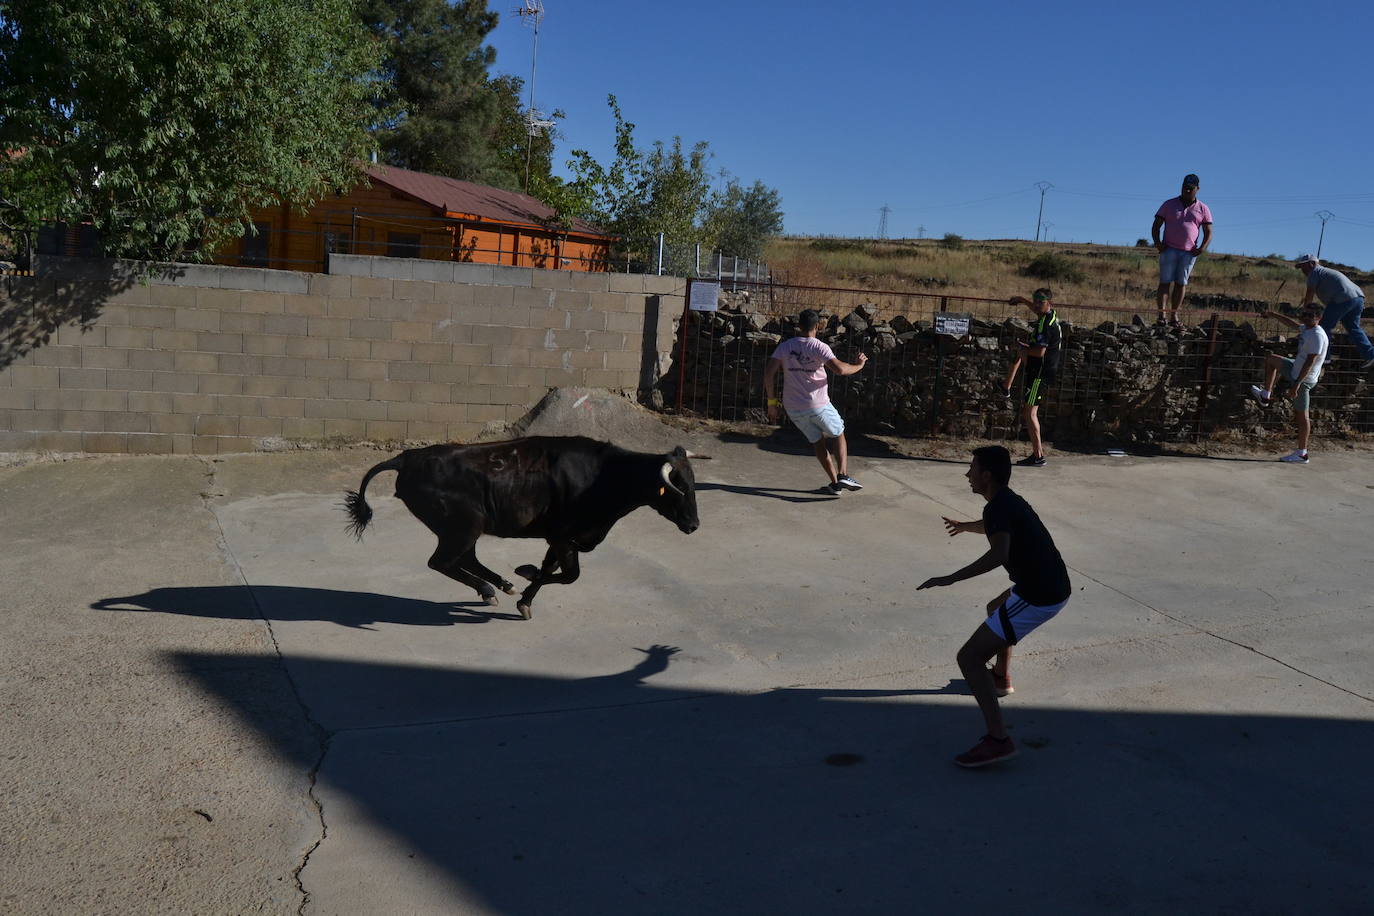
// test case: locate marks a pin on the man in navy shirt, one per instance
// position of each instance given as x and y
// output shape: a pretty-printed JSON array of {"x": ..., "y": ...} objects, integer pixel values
[{"x": 1040, "y": 588}]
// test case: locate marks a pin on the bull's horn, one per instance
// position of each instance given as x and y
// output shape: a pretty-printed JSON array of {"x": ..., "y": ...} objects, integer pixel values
[
  {"x": 699, "y": 457},
  {"x": 665, "y": 472}
]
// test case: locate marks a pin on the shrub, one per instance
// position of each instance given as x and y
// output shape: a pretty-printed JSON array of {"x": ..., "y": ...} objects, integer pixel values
[
  {"x": 1050, "y": 266},
  {"x": 952, "y": 241},
  {"x": 1144, "y": 243}
]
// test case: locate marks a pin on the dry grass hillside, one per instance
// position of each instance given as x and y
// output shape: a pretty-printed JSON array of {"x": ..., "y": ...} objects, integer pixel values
[{"x": 1085, "y": 275}]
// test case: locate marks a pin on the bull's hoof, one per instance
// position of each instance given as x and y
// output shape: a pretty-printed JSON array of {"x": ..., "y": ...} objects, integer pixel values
[
  {"x": 491, "y": 600},
  {"x": 524, "y": 608},
  {"x": 528, "y": 571},
  {"x": 508, "y": 588}
]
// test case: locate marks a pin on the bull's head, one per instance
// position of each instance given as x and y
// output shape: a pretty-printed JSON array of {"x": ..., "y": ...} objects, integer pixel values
[{"x": 677, "y": 491}]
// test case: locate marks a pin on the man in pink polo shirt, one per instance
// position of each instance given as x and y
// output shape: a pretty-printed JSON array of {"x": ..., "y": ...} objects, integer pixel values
[
  {"x": 806, "y": 396},
  {"x": 1183, "y": 218}
]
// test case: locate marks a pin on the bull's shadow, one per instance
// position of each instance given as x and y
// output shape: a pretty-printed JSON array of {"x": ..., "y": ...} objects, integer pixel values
[
  {"x": 539, "y": 794},
  {"x": 357, "y": 610}
]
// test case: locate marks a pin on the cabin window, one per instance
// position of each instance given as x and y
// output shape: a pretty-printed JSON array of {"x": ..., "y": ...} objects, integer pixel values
[
  {"x": 403, "y": 244},
  {"x": 256, "y": 246}
]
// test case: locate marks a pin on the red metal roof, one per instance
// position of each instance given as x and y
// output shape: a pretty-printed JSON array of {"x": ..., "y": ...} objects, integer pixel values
[{"x": 473, "y": 200}]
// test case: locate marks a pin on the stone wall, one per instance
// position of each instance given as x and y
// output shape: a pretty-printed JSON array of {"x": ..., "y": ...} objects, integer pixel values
[
  {"x": 1117, "y": 383},
  {"x": 222, "y": 359}
]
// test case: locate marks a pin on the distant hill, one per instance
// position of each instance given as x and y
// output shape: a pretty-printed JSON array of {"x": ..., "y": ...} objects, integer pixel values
[{"x": 1079, "y": 274}]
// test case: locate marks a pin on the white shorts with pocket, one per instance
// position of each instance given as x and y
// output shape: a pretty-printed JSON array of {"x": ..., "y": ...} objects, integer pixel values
[
  {"x": 1016, "y": 617},
  {"x": 818, "y": 422}
]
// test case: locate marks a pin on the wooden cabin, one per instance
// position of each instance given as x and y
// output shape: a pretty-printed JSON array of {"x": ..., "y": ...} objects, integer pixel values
[{"x": 403, "y": 214}]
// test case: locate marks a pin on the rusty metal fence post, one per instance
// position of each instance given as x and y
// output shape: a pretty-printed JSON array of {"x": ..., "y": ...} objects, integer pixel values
[{"x": 1206, "y": 376}]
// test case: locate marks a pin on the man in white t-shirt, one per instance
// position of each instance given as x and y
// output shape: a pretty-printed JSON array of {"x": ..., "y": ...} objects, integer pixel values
[
  {"x": 1301, "y": 374},
  {"x": 802, "y": 361}
]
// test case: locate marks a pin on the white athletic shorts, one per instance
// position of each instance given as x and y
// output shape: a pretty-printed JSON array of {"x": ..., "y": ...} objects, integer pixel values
[
  {"x": 1016, "y": 617},
  {"x": 820, "y": 421}
]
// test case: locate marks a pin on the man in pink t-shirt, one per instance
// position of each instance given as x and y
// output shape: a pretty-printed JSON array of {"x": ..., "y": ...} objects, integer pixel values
[
  {"x": 1183, "y": 218},
  {"x": 802, "y": 361}
]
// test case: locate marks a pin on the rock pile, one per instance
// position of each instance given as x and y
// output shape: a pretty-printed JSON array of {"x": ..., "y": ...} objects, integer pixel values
[{"x": 1126, "y": 382}]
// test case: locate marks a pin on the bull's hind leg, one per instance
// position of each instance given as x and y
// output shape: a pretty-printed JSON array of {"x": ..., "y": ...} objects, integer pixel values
[
  {"x": 449, "y": 559},
  {"x": 562, "y": 557},
  {"x": 472, "y": 564}
]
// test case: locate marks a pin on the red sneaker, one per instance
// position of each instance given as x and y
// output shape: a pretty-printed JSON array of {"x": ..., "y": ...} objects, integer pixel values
[
  {"x": 1001, "y": 683},
  {"x": 989, "y": 750}
]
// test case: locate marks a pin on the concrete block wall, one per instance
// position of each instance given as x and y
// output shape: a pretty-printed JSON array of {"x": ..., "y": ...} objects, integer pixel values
[{"x": 210, "y": 360}]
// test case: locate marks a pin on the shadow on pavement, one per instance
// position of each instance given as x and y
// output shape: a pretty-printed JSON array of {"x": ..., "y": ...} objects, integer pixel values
[
  {"x": 286, "y": 602},
  {"x": 535, "y": 794}
]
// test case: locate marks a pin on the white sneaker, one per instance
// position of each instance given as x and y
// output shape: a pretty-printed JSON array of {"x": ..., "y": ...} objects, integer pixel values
[
  {"x": 1260, "y": 395},
  {"x": 849, "y": 483},
  {"x": 1297, "y": 456}
]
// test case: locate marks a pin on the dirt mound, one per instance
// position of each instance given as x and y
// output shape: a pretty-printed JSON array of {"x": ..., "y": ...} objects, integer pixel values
[{"x": 597, "y": 414}]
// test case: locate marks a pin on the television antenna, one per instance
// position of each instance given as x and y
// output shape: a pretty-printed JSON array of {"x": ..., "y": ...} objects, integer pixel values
[{"x": 531, "y": 13}]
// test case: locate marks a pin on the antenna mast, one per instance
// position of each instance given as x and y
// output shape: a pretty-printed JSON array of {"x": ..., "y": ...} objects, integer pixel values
[{"x": 531, "y": 13}]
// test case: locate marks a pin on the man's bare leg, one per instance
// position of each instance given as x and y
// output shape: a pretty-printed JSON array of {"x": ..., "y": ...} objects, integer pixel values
[
  {"x": 1176, "y": 300},
  {"x": 1304, "y": 421},
  {"x": 822, "y": 448},
  {"x": 839, "y": 448},
  {"x": 1033, "y": 429},
  {"x": 973, "y": 662},
  {"x": 1162, "y": 295},
  {"x": 1011, "y": 373},
  {"x": 1001, "y": 667}
]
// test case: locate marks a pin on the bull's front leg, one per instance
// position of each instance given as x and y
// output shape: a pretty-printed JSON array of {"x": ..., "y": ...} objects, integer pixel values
[{"x": 562, "y": 557}]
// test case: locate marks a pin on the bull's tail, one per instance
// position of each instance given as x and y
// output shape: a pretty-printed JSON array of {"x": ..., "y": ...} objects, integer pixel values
[{"x": 355, "y": 502}]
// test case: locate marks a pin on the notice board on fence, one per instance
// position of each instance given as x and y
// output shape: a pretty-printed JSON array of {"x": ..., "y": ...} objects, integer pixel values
[
  {"x": 952, "y": 324},
  {"x": 705, "y": 296}
]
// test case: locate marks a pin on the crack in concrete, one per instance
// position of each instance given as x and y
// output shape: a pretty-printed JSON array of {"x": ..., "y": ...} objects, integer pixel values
[{"x": 322, "y": 735}]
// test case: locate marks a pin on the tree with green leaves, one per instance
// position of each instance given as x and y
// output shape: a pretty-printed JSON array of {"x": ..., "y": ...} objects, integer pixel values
[
  {"x": 443, "y": 114},
  {"x": 666, "y": 188},
  {"x": 161, "y": 123},
  {"x": 515, "y": 150}
]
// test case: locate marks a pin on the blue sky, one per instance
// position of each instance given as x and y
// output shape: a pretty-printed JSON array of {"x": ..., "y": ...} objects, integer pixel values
[{"x": 950, "y": 113}]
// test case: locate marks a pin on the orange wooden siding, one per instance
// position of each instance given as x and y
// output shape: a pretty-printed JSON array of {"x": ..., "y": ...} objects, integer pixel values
[{"x": 379, "y": 221}]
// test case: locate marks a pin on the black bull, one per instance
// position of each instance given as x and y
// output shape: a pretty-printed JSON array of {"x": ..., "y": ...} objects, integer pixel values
[{"x": 569, "y": 491}]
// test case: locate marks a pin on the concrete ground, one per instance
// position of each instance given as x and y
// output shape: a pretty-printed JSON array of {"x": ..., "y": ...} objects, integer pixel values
[{"x": 213, "y": 700}]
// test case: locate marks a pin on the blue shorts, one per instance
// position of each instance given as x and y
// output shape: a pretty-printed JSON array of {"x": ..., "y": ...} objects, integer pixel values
[
  {"x": 818, "y": 422},
  {"x": 1016, "y": 617},
  {"x": 1175, "y": 265}
]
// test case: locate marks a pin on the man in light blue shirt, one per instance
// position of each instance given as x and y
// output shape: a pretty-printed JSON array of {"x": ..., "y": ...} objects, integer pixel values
[{"x": 1343, "y": 301}]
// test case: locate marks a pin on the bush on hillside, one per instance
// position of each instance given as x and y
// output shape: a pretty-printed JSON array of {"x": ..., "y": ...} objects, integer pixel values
[
  {"x": 952, "y": 241},
  {"x": 1050, "y": 266},
  {"x": 1144, "y": 243}
]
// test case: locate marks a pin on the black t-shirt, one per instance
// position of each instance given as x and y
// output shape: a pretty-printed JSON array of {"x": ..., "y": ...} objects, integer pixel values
[
  {"x": 1036, "y": 569},
  {"x": 1045, "y": 333}
]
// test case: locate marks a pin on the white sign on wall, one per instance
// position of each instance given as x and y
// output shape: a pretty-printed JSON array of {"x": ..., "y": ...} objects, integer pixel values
[
  {"x": 705, "y": 296},
  {"x": 952, "y": 324}
]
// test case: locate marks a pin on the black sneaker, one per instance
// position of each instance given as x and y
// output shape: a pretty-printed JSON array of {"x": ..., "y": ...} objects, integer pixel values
[
  {"x": 833, "y": 488},
  {"x": 849, "y": 483},
  {"x": 1031, "y": 461}
]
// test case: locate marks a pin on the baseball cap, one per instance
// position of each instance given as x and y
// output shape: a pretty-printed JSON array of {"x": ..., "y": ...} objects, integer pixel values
[
  {"x": 1307, "y": 259},
  {"x": 1190, "y": 181}
]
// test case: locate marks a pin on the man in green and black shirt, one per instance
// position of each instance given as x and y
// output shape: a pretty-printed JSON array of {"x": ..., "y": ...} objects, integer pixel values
[{"x": 1041, "y": 356}]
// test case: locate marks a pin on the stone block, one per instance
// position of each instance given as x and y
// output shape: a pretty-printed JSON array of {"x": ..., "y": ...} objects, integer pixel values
[
  {"x": 171, "y": 423},
  {"x": 262, "y": 303},
  {"x": 326, "y": 368},
  {"x": 104, "y": 358},
  {"x": 510, "y": 356},
  {"x": 393, "y": 268},
  {"x": 105, "y": 443},
  {"x": 391, "y": 391},
  {"x": 242, "y": 322},
  {"x": 285, "y": 324},
  {"x": 365, "y": 410},
  {"x": 432, "y": 352},
  {"x": 311, "y": 347},
  {"x": 425, "y": 431},
  {"x": 350, "y": 388},
  {"x": 264, "y": 386},
  {"x": 59, "y": 357},
  {"x": 385, "y": 430},
  {"x": 57, "y": 399},
  {"x": 154, "y": 360},
  {"x": 302, "y": 428},
  {"x": 488, "y": 375},
  {"x": 80, "y": 378},
  {"x": 391, "y": 350},
  {"x": 412, "y": 330},
  {"x": 151, "y": 402},
  {"x": 126, "y": 422},
  {"x": 289, "y": 366},
  {"x": 371, "y": 330},
  {"x": 187, "y": 319},
  {"x": 105, "y": 400},
  {"x": 404, "y": 410},
  {"x": 244, "y": 278},
  {"x": 191, "y": 361},
  {"x": 449, "y": 373},
  {"x": 407, "y": 372},
  {"x": 434, "y": 271},
  {"x": 286, "y": 281},
  {"x": 473, "y": 274},
  {"x": 149, "y": 444},
  {"x": 432, "y": 393},
  {"x": 368, "y": 369},
  {"x": 219, "y": 343},
  {"x": 344, "y": 348},
  {"x": 329, "y": 286},
  {"x": 219, "y": 300},
  {"x": 284, "y": 408},
  {"x": 349, "y": 265},
  {"x": 260, "y": 427},
  {"x": 347, "y": 307},
  {"x": 413, "y": 290},
  {"x": 55, "y": 441},
  {"x": 370, "y": 288},
  {"x": 307, "y": 387}
]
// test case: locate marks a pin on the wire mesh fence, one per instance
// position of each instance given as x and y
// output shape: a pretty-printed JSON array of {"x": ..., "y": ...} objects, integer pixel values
[{"x": 1120, "y": 379}]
